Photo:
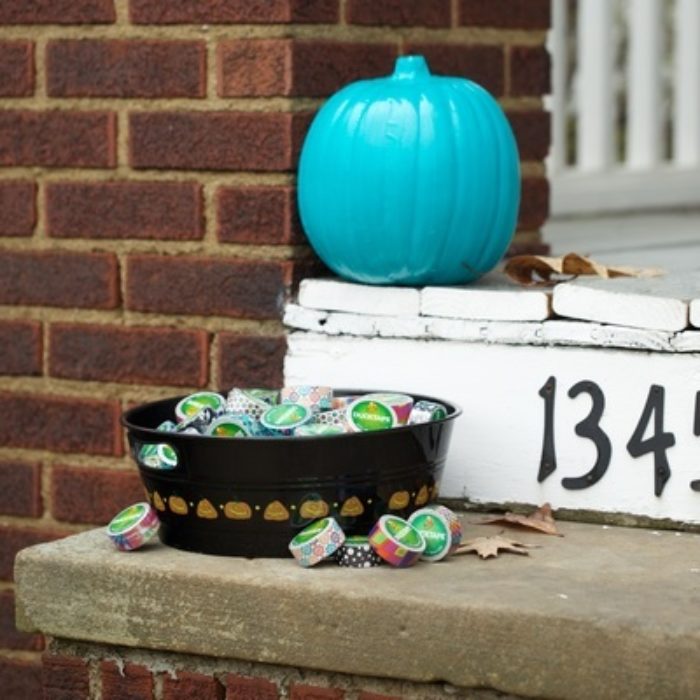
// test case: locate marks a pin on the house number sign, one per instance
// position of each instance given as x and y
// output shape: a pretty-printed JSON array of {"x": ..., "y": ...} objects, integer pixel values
[{"x": 651, "y": 420}]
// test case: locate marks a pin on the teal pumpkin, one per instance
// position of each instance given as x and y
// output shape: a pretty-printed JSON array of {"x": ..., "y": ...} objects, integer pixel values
[{"x": 410, "y": 179}]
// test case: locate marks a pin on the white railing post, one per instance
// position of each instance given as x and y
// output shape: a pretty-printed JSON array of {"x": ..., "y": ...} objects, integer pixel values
[
  {"x": 595, "y": 103},
  {"x": 687, "y": 84},
  {"x": 644, "y": 75}
]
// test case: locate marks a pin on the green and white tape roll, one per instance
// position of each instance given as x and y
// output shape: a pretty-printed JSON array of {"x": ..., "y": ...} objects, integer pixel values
[
  {"x": 133, "y": 527},
  {"x": 317, "y": 542},
  {"x": 191, "y": 405},
  {"x": 284, "y": 418},
  {"x": 441, "y": 531}
]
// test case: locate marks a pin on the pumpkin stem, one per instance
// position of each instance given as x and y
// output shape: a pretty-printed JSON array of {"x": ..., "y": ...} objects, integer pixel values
[{"x": 410, "y": 68}]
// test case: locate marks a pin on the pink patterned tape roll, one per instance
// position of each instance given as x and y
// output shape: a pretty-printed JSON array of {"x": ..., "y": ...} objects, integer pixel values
[
  {"x": 317, "y": 542},
  {"x": 317, "y": 398},
  {"x": 133, "y": 527},
  {"x": 455, "y": 525},
  {"x": 396, "y": 541}
]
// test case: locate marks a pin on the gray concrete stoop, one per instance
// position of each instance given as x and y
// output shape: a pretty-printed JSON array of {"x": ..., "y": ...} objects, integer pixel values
[{"x": 604, "y": 612}]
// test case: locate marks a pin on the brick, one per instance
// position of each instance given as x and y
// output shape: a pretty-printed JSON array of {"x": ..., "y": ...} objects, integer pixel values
[
  {"x": 254, "y": 67},
  {"x": 61, "y": 424},
  {"x": 211, "y": 140},
  {"x": 125, "y": 68},
  {"x": 128, "y": 355},
  {"x": 10, "y": 636},
  {"x": 301, "y": 121},
  {"x": 481, "y": 64},
  {"x": 13, "y": 539},
  {"x": 65, "y": 678},
  {"x": 192, "y": 686},
  {"x": 149, "y": 210},
  {"x": 399, "y": 13},
  {"x": 20, "y": 488},
  {"x": 534, "y": 203},
  {"x": 206, "y": 286},
  {"x": 17, "y": 75},
  {"x": 132, "y": 683},
  {"x": 529, "y": 71},
  {"x": 364, "y": 695},
  {"x": 58, "y": 139},
  {"x": 309, "y": 692},
  {"x": 94, "y": 496},
  {"x": 57, "y": 12},
  {"x": 532, "y": 132},
  {"x": 20, "y": 680},
  {"x": 263, "y": 67},
  {"x": 48, "y": 278},
  {"x": 258, "y": 215},
  {"x": 505, "y": 14},
  {"x": 233, "y": 11},
  {"x": 251, "y": 360},
  {"x": 20, "y": 347},
  {"x": 244, "y": 688},
  {"x": 322, "y": 67},
  {"x": 17, "y": 208}
]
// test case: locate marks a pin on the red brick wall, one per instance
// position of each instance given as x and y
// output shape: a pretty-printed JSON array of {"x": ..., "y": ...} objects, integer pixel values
[
  {"x": 85, "y": 671},
  {"x": 147, "y": 227}
]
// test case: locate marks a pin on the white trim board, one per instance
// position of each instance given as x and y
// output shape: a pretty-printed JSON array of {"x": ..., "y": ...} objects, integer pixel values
[{"x": 553, "y": 332}]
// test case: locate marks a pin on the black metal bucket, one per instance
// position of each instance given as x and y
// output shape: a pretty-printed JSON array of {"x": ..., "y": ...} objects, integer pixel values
[{"x": 250, "y": 496}]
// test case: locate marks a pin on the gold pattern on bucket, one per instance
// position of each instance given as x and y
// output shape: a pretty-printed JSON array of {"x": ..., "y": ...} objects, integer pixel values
[
  {"x": 178, "y": 505},
  {"x": 276, "y": 511},
  {"x": 206, "y": 510},
  {"x": 238, "y": 510}
]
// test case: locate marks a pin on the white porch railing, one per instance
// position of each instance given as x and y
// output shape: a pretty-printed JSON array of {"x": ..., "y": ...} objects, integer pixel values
[{"x": 625, "y": 105}]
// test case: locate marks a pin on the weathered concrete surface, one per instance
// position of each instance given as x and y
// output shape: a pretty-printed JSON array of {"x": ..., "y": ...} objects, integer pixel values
[{"x": 602, "y": 613}]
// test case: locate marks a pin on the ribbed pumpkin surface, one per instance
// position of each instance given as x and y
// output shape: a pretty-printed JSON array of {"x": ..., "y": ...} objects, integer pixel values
[{"x": 411, "y": 179}]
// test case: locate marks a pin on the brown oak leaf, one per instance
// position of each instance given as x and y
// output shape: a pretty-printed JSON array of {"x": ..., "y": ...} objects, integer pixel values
[
  {"x": 539, "y": 270},
  {"x": 540, "y": 520},
  {"x": 487, "y": 547}
]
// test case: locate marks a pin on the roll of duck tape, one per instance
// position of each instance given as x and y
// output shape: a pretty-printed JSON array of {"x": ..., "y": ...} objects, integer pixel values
[
  {"x": 133, "y": 527},
  {"x": 317, "y": 542},
  {"x": 357, "y": 553},
  {"x": 437, "y": 526},
  {"x": 396, "y": 541}
]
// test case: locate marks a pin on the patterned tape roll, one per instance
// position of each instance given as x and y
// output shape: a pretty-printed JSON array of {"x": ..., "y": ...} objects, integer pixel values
[
  {"x": 426, "y": 411},
  {"x": 455, "y": 526},
  {"x": 241, "y": 401},
  {"x": 396, "y": 541},
  {"x": 437, "y": 526},
  {"x": 317, "y": 398},
  {"x": 133, "y": 527},
  {"x": 357, "y": 553},
  {"x": 317, "y": 542}
]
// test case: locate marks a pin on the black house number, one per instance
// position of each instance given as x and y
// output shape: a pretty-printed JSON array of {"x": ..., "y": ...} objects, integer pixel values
[{"x": 589, "y": 428}]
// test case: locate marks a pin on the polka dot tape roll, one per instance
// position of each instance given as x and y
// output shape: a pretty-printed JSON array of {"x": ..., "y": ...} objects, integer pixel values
[
  {"x": 317, "y": 542},
  {"x": 241, "y": 401},
  {"x": 133, "y": 527},
  {"x": 396, "y": 541},
  {"x": 357, "y": 553},
  {"x": 317, "y": 398},
  {"x": 440, "y": 529}
]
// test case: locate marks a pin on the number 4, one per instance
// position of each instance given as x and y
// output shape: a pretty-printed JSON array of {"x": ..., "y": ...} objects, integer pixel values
[{"x": 658, "y": 443}]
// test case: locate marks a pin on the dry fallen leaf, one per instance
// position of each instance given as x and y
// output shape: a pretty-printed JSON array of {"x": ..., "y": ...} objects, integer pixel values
[
  {"x": 487, "y": 547},
  {"x": 539, "y": 270},
  {"x": 541, "y": 520}
]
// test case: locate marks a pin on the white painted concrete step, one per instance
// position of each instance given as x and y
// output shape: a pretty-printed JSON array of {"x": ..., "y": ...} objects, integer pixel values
[
  {"x": 655, "y": 303},
  {"x": 494, "y": 298}
]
